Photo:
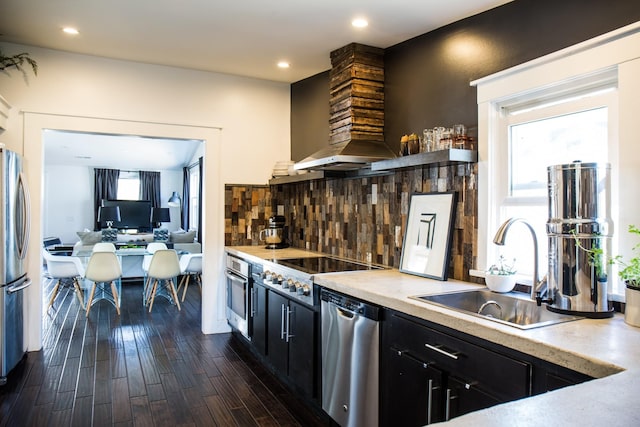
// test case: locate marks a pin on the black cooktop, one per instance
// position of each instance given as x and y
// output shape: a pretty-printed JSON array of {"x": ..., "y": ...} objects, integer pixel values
[{"x": 323, "y": 264}]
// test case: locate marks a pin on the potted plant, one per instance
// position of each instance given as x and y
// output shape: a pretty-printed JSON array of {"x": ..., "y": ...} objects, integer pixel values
[
  {"x": 597, "y": 258},
  {"x": 17, "y": 61},
  {"x": 500, "y": 277},
  {"x": 630, "y": 273}
]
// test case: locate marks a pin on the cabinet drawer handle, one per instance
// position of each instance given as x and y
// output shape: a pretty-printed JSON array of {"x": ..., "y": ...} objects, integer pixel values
[
  {"x": 253, "y": 307},
  {"x": 287, "y": 333},
  {"x": 447, "y": 409},
  {"x": 282, "y": 321},
  {"x": 454, "y": 356},
  {"x": 430, "y": 401}
]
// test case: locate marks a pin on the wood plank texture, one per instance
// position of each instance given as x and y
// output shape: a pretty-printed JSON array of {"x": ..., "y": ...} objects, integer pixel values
[{"x": 142, "y": 369}]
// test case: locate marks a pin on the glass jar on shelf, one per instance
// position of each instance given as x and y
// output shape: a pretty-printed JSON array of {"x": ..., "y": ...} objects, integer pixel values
[
  {"x": 427, "y": 140},
  {"x": 459, "y": 136}
]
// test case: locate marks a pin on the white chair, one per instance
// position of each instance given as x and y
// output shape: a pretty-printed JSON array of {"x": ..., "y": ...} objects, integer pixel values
[
  {"x": 61, "y": 268},
  {"x": 104, "y": 247},
  {"x": 103, "y": 269},
  {"x": 190, "y": 265},
  {"x": 146, "y": 261},
  {"x": 163, "y": 268}
]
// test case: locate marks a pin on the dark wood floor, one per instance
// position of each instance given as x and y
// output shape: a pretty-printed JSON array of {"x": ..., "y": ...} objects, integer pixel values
[{"x": 142, "y": 369}]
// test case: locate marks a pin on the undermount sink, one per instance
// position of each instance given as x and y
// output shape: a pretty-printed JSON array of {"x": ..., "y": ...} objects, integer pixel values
[{"x": 510, "y": 309}]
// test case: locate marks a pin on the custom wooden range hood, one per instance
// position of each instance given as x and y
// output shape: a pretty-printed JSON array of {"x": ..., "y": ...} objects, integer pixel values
[{"x": 356, "y": 106}]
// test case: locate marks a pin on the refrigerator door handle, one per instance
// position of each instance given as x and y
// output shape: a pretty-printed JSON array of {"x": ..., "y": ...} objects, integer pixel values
[
  {"x": 24, "y": 213},
  {"x": 18, "y": 287}
]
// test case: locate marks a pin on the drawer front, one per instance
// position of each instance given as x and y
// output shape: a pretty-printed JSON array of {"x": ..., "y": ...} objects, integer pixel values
[{"x": 503, "y": 376}]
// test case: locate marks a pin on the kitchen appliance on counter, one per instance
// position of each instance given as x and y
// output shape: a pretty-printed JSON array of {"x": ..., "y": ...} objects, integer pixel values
[
  {"x": 14, "y": 234},
  {"x": 350, "y": 359},
  {"x": 238, "y": 274},
  {"x": 273, "y": 235},
  {"x": 579, "y": 230}
]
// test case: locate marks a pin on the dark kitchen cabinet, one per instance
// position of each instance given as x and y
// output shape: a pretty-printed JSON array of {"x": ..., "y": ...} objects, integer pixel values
[
  {"x": 414, "y": 386},
  {"x": 428, "y": 376},
  {"x": 548, "y": 377},
  {"x": 291, "y": 341},
  {"x": 431, "y": 373},
  {"x": 462, "y": 397}
]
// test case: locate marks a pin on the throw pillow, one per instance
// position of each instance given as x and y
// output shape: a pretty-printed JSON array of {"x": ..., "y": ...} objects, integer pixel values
[
  {"x": 184, "y": 237},
  {"x": 109, "y": 235},
  {"x": 89, "y": 238},
  {"x": 160, "y": 234}
]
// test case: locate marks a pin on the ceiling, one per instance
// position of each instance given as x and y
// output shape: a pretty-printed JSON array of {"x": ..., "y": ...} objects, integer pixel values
[
  {"x": 245, "y": 37},
  {"x": 117, "y": 151}
]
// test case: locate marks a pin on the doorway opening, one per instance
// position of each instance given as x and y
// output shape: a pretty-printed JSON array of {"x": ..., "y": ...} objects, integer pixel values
[{"x": 37, "y": 124}]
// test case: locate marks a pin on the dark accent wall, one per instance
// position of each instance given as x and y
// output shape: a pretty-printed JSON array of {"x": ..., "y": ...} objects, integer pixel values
[
  {"x": 427, "y": 78},
  {"x": 310, "y": 117}
]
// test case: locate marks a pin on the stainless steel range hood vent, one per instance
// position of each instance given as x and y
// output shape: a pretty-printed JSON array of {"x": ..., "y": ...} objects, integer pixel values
[{"x": 348, "y": 155}]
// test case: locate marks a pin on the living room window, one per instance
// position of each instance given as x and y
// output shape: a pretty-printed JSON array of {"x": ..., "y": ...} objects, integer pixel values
[
  {"x": 128, "y": 186},
  {"x": 194, "y": 197}
]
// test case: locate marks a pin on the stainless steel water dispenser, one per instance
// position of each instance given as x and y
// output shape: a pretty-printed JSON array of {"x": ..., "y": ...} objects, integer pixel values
[{"x": 579, "y": 231}]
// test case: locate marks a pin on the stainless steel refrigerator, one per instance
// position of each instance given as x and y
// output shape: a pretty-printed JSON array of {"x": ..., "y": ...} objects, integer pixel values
[{"x": 14, "y": 238}]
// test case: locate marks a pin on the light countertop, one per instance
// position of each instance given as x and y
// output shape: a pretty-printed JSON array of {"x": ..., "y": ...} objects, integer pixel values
[{"x": 607, "y": 349}]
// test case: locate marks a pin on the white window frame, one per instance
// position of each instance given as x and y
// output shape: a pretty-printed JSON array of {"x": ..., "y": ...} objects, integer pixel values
[{"x": 613, "y": 55}]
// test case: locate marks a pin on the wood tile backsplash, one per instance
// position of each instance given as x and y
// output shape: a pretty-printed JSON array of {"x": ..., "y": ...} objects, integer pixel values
[{"x": 357, "y": 218}]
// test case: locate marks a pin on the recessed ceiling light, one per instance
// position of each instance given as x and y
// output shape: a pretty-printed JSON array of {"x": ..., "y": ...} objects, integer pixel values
[
  {"x": 283, "y": 64},
  {"x": 359, "y": 23},
  {"x": 70, "y": 30}
]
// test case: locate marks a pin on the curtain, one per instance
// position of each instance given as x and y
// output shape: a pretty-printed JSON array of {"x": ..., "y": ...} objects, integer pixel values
[
  {"x": 105, "y": 187},
  {"x": 150, "y": 188},
  {"x": 200, "y": 175},
  {"x": 184, "y": 208}
]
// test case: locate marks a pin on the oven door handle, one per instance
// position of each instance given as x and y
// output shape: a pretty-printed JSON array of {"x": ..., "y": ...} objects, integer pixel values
[{"x": 232, "y": 276}]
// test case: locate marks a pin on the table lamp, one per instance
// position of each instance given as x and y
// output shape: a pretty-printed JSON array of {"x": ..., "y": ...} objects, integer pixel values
[{"x": 108, "y": 214}]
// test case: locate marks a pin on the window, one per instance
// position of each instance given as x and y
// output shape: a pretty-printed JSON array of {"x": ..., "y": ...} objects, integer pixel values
[
  {"x": 128, "y": 186},
  {"x": 579, "y": 103},
  {"x": 194, "y": 197},
  {"x": 546, "y": 131}
]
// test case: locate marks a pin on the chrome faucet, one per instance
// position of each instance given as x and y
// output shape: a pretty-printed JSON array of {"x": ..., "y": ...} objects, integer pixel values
[{"x": 501, "y": 236}]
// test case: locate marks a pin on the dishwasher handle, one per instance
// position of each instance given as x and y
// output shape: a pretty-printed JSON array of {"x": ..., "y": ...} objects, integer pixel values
[
  {"x": 344, "y": 312},
  {"x": 348, "y": 304}
]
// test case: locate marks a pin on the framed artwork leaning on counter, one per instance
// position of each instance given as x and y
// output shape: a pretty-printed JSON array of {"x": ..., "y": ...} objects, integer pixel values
[{"x": 427, "y": 239}]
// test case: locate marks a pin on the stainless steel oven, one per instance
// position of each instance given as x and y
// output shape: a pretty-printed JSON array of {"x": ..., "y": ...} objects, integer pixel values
[{"x": 238, "y": 292}]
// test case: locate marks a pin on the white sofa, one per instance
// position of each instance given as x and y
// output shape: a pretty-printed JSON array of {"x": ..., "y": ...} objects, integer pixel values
[{"x": 182, "y": 241}]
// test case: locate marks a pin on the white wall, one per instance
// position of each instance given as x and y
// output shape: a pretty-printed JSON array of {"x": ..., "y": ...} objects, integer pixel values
[
  {"x": 244, "y": 123},
  {"x": 67, "y": 202}
]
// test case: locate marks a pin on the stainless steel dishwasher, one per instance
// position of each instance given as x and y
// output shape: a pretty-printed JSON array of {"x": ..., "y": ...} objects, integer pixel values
[{"x": 350, "y": 353}]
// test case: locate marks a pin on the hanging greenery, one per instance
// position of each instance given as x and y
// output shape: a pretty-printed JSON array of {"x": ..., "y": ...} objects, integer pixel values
[{"x": 17, "y": 61}]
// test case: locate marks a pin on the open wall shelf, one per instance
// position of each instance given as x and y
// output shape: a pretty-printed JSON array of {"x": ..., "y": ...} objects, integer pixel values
[{"x": 440, "y": 157}]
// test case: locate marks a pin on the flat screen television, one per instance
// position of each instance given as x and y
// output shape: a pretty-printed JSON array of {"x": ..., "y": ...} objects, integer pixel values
[{"x": 134, "y": 215}]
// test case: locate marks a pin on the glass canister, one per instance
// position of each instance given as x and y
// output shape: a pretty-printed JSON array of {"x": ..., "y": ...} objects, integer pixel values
[
  {"x": 427, "y": 138},
  {"x": 438, "y": 134}
]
